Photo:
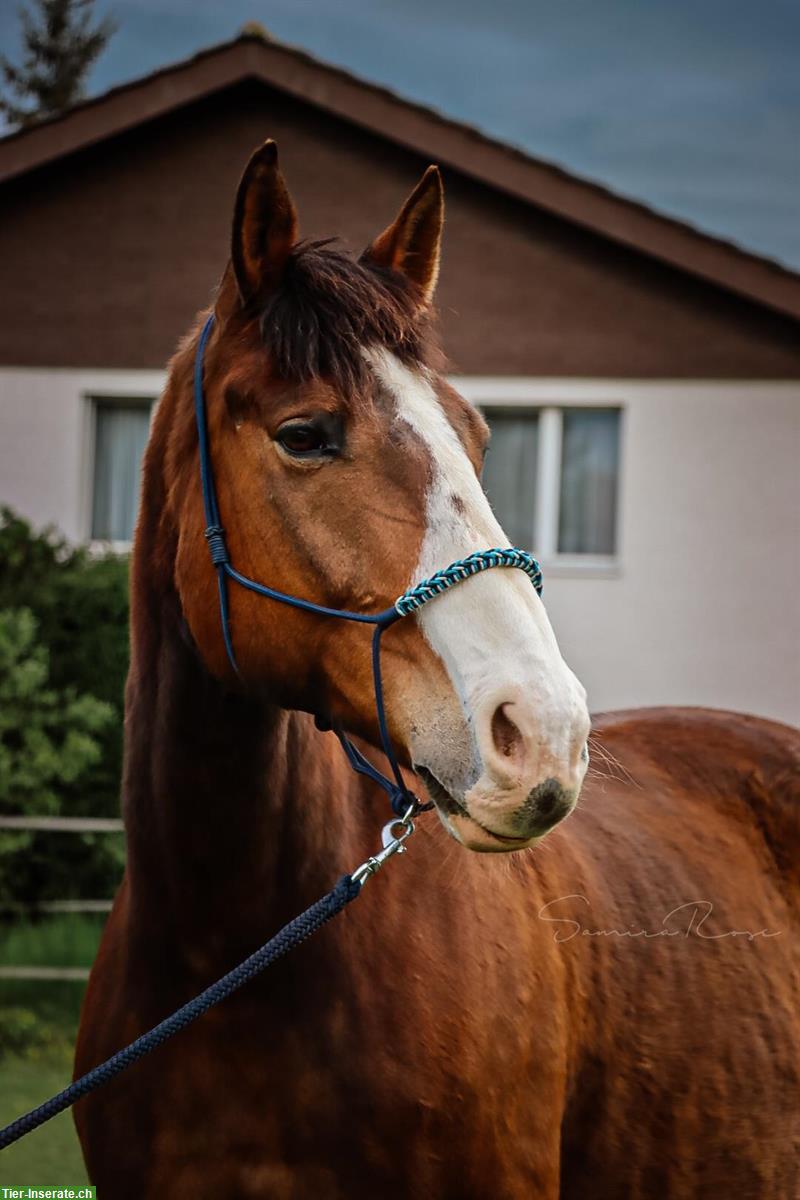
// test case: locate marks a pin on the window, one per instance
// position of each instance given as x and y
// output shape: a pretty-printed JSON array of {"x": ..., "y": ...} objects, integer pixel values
[
  {"x": 551, "y": 476},
  {"x": 588, "y": 494},
  {"x": 509, "y": 473},
  {"x": 120, "y": 436}
]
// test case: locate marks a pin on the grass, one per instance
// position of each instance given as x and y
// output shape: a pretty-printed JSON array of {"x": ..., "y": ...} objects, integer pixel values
[
  {"x": 65, "y": 940},
  {"x": 51, "y": 1155},
  {"x": 38, "y": 1024}
]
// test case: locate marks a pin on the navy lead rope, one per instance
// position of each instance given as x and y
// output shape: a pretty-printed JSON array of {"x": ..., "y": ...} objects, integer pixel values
[
  {"x": 290, "y": 936},
  {"x": 403, "y": 802}
]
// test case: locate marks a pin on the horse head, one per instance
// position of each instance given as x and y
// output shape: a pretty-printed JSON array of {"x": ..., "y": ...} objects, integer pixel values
[{"x": 347, "y": 469}]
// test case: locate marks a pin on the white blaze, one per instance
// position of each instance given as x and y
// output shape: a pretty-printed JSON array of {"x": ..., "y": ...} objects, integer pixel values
[{"x": 491, "y": 631}]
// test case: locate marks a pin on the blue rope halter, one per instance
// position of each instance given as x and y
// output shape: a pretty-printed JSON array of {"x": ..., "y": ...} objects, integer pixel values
[{"x": 410, "y": 601}]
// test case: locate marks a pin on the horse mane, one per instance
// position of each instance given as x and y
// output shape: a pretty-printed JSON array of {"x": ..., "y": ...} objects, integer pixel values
[{"x": 330, "y": 307}]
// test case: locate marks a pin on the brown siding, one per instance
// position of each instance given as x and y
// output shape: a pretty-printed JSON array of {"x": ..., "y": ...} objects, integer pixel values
[{"x": 107, "y": 255}]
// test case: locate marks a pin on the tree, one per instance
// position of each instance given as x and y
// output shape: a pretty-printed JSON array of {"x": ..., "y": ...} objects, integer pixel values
[{"x": 60, "y": 44}]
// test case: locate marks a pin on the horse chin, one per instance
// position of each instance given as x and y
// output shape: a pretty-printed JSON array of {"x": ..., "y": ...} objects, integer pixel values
[
  {"x": 465, "y": 829},
  {"x": 468, "y": 832}
]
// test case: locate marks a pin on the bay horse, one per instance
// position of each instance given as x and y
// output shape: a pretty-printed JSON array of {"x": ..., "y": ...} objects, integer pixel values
[{"x": 609, "y": 1014}]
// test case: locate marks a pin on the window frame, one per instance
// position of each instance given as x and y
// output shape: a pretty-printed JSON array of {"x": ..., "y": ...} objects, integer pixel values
[
  {"x": 92, "y": 400},
  {"x": 548, "y": 399}
]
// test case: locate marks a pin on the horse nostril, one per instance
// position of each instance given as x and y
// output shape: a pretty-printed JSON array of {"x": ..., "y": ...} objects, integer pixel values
[
  {"x": 548, "y": 796},
  {"x": 505, "y": 735},
  {"x": 549, "y": 802}
]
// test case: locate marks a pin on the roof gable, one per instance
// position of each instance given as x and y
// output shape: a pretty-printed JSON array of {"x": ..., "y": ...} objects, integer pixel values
[{"x": 414, "y": 127}]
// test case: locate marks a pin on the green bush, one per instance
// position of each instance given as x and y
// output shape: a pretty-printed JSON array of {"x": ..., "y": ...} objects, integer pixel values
[
  {"x": 48, "y": 737},
  {"x": 63, "y": 661},
  {"x": 24, "y": 1033},
  {"x": 19, "y": 1030}
]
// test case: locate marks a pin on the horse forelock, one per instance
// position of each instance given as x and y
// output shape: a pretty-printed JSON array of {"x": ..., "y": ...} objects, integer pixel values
[{"x": 330, "y": 308}]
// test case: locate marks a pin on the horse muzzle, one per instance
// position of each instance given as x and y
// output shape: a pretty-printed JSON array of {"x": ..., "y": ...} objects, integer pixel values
[{"x": 492, "y": 824}]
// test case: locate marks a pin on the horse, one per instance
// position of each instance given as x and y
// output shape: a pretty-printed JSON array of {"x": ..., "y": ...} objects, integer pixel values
[{"x": 520, "y": 1006}]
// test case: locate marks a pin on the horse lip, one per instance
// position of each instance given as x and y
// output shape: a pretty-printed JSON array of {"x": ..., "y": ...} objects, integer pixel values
[
  {"x": 501, "y": 837},
  {"x": 443, "y": 799},
  {"x": 437, "y": 791}
]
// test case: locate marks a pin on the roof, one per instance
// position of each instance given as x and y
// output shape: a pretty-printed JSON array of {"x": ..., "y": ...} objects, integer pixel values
[{"x": 451, "y": 143}]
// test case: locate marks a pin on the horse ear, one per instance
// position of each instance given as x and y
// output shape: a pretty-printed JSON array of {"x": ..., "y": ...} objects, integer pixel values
[
  {"x": 412, "y": 243},
  {"x": 264, "y": 225}
]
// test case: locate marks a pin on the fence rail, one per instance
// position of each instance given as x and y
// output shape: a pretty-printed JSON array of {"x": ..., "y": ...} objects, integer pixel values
[
  {"x": 57, "y": 825},
  {"x": 56, "y": 906},
  {"x": 64, "y": 824},
  {"x": 71, "y": 974}
]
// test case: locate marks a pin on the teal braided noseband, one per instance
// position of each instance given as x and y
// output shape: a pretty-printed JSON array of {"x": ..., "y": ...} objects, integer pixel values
[
  {"x": 411, "y": 600},
  {"x": 463, "y": 568}
]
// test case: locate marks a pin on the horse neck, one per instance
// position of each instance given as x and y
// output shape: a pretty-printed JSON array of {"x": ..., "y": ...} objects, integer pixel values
[{"x": 231, "y": 804}]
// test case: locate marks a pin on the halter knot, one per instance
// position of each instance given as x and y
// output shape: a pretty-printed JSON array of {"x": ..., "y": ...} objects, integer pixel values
[{"x": 215, "y": 536}]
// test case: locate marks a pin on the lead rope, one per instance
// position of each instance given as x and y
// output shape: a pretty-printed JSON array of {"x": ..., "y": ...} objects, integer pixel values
[
  {"x": 404, "y": 804},
  {"x": 290, "y": 936},
  {"x": 394, "y": 836}
]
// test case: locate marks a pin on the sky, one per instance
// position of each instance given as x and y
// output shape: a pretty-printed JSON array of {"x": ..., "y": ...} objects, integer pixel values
[{"x": 692, "y": 106}]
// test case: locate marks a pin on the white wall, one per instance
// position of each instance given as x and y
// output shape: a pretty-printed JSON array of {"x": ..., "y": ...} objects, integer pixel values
[
  {"x": 702, "y": 605},
  {"x": 46, "y": 439}
]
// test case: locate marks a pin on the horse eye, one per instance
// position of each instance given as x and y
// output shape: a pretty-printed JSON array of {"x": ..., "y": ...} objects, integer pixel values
[{"x": 303, "y": 440}]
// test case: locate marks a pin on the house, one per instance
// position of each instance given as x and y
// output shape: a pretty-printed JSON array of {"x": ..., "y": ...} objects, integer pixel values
[{"x": 642, "y": 379}]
